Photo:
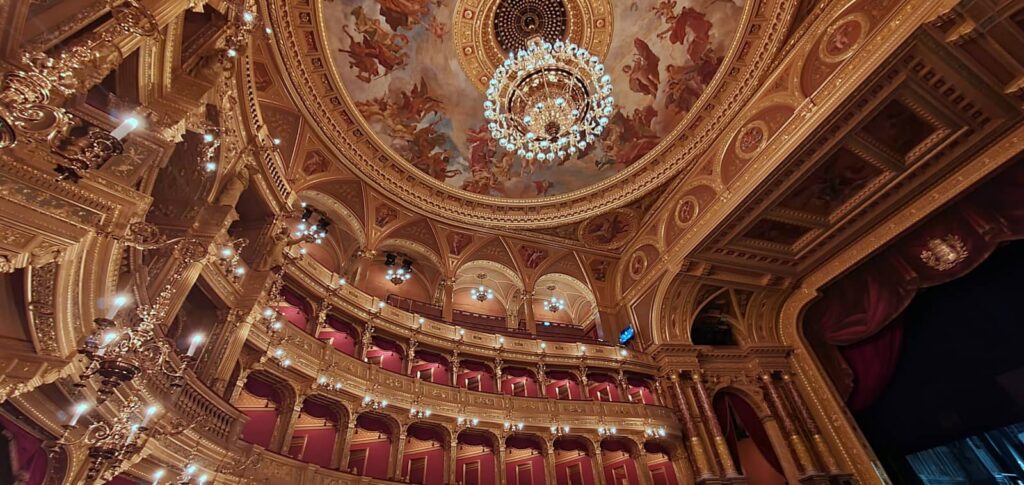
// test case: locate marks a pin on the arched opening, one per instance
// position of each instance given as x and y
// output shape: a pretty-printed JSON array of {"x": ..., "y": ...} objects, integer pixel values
[
  {"x": 620, "y": 467},
  {"x": 316, "y": 432},
  {"x": 198, "y": 315},
  {"x": 496, "y": 288},
  {"x": 577, "y": 308},
  {"x": 424, "y": 460},
  {"x": 431, "y": 367},
  {"x": 562, "y": 385},
  {"x": 370, "y": 450},
  {"x": 524, "y": 460},
  {"x": 295, "y": 308},
  {"x": 386, "y": 354},
  {"x": 712, "y": 325},
  {"x": 476, "y": 376},
  {"x": 640, "y": 390},
  {"x": 519, "y": 381},
  {"x": 659, "y": 462},
  {"x": 22, "y": 456},
  {"x": 573, "y": 461},
  {"x": 261, "y": 402},
  {"x": 340, "y": 334},
  {"x": 603, "y": 387},
  {"x": 748, "y": 441},
  {"x": 474, "y": 458}
]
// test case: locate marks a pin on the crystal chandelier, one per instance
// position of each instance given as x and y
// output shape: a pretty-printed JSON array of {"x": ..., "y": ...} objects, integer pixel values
[
  {"x": 417, "y": 411},
  {"x": 554, "y": 304},
  {"x": 399, "y": 275},
  {"x": 603, "y": 430},
  {"x": 481, "y": 293},
  {"x": 548, "y": 101},
  {"x": 371, "y": 401}
]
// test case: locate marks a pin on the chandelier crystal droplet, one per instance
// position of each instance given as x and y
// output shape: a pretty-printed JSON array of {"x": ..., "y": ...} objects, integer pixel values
[{"x": 549, "y": 101}]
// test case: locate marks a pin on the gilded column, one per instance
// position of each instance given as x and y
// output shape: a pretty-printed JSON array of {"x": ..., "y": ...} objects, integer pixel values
[
  {"x": 410, "y": 356},
  {"x": 820, "y": 446},
  {"x": 700, "y": 457},
  {"x": 795, "y": 440},
  {"x": 659, "y": 393},
  {"x": 531, "y": 322},
  {"x": 542, "y": 380},
  {"x": 285, "y": 428},
  {"x": 712, "y": 422},
  {"x": 644, "y": 471},
  {"x": 598, "y": 461},
  {"x": 624, "y": 395},
  {"x": 395, "y": 467},
  {"x": 499, "y": 462},
  {"x": 456, "y": 366},
  {"x": 452, "y": 461},
  {"x": 448, "y": 295},
  {"x": 340, "y": 439},
  {"x": 366, "y": 339},
  {"x": 549, "y": 463},
  {"x": 584, "y": 384},
  {"x": 346, "y": 446},
  {"x": 497, "y": 374}
]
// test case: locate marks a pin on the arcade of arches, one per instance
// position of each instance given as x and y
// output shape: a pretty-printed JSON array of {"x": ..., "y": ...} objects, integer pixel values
[{"x": 253, "y": 241}]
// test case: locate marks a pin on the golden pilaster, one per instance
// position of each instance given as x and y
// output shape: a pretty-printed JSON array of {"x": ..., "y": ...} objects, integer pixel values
[
  {"x": 700, "y": 458},
  {"x": 820, "y": 446},
  {"x": 795, "y": 440}
]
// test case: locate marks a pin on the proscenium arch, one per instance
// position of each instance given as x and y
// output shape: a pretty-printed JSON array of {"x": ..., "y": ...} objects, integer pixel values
[{"x": 683, "y": 301}]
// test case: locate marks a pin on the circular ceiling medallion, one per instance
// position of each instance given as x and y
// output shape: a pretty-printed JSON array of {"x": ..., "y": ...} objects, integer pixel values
[
  {"x": 516, "y": 21},
  {"x": 484, "y": 31},
  {"x": 842, "y": 38},
  {"x": 687, "y": 210}
]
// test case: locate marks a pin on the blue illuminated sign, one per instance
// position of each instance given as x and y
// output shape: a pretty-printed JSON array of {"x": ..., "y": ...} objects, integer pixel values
[{"x": 626, "y": 335}]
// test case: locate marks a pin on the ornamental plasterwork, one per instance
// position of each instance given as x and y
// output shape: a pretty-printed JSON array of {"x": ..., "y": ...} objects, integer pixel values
[
  {"x": 588, "y": 25},
  {"x": 316, "y": 86}
]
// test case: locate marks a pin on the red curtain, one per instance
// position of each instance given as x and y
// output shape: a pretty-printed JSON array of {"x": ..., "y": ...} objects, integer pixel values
[
  {"x": 729, "y": 408},
  {"x": 850, "y": 325},
  {"x": 29, "y": 458},
  {"x": 873, "y": 362}
]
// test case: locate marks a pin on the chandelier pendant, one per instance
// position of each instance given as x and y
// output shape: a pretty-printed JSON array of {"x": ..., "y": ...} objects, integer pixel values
[{"x": 548, "y": 102}]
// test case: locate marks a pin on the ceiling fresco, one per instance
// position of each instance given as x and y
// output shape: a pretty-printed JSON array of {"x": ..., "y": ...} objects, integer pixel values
[{"x": 399, "y": 64}]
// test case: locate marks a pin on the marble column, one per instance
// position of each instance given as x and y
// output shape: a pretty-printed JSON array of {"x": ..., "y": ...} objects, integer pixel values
[
  {"x": 700, "y": 457},
  {"x": 820, "y": 446},
  {"x": 712, "y": 423},
  {"x": 796, "y": 442}
]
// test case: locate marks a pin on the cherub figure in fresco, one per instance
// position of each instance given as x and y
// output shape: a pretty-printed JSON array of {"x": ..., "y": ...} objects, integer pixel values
[
  {"x": 378, "y": 49},
  {"x": 542, "y": 186},
  {"x": 686, "y": 83},
  {"x": 417, "y": 102},
  {"x": 438, "y": 29},
  {"x": 480, "y": 182},
  {"x": 482, "y": 148},
  {"x": 628, "y": 138},
  {"x": 606, "y": 230},
  {"x": 643, "y": 73},
  {"x": 403, "y": 14},
  {"x": 687, "y": 19},
  {"x": 503, "y": 165}
]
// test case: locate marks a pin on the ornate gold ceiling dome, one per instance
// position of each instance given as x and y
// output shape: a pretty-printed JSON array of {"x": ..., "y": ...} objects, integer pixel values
[{"x": 380, "y": 82}]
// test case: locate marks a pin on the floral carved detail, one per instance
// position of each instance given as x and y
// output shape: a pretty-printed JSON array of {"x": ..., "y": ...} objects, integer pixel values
[{"x": 944, "y": 253}]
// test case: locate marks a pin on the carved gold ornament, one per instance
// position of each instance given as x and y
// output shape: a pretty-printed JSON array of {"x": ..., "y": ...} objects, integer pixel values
[
  {"x": 944, "y": 253},
  {"x": 481, "y": 27}
]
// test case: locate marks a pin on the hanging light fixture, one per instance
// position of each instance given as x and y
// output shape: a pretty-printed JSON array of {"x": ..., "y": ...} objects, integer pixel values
[
  {"x": 554, "y": 304},
  {"x": 119, "y": 355},
  {"x": 397, "y": 276},
  {"x": 548, "y": 101},
  {"x": 481, "y": 293},
  {"x": 313, "y": 225}
]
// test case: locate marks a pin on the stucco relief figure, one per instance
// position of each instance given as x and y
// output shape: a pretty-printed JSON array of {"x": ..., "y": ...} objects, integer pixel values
[
  {"x": 234, "y": 187},
  {"x": 275, "y": 257}
]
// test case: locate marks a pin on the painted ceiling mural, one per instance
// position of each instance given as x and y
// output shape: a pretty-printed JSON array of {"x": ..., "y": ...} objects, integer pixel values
[{"x": 398, "y": 64}]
